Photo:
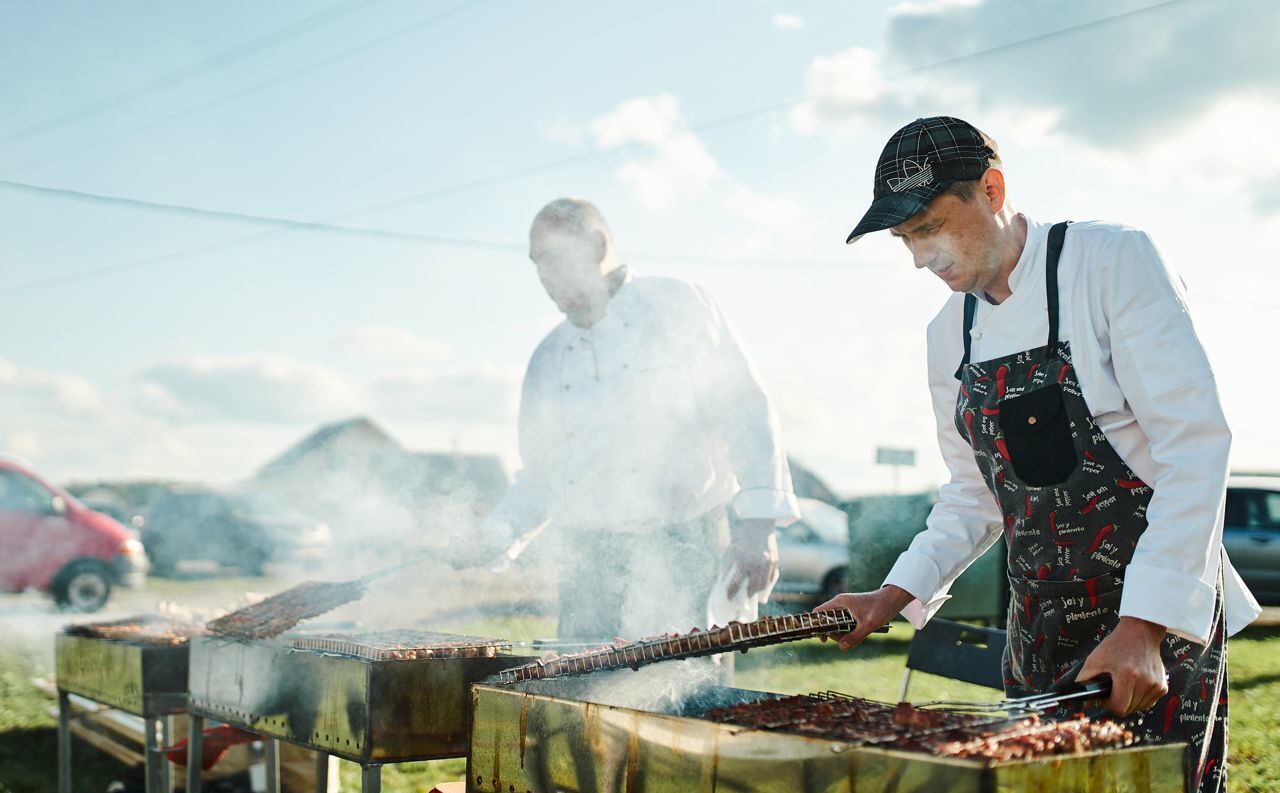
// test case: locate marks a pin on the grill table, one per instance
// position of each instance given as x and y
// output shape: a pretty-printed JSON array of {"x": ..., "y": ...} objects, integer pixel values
[
  {"x": 373, "y": 699},
  {"x": 540, "y": 736},
  {"x": 144, "y": 678}
]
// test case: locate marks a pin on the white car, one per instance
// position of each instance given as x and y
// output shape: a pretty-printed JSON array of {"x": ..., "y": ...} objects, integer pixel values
[
  {"x": 1251, "y": 533},
  {"x": 813, "y": 555}
]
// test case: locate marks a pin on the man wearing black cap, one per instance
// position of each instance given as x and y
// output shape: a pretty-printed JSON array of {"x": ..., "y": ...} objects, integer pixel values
[{"x": 1079, "y": 417}]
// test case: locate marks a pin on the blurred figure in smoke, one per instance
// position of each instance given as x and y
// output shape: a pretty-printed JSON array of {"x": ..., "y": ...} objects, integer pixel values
[{"x": 649, "y": 447}]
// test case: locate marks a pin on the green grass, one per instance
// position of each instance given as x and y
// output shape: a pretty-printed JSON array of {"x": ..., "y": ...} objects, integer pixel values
[{"x": 28, "y": 738}]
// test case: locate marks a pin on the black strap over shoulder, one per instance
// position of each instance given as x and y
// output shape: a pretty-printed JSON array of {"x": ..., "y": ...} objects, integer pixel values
[
  {"x": 970, "y": 308},
  {"x": 1057, "y": 235}
]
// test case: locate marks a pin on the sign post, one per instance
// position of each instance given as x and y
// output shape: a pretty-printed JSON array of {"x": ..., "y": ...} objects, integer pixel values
[{"x": 897, "y": 458}]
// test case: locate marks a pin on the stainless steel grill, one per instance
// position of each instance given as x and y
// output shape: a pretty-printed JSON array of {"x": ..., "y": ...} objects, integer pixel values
[
  {"x": 138, "y": 665},
  {"x": 376, "y": 698},
  {"x": 548, "y": 735}
]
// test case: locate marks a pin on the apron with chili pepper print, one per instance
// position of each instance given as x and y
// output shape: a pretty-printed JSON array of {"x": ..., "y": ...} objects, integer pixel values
[{"x": 1073, "y": 513}]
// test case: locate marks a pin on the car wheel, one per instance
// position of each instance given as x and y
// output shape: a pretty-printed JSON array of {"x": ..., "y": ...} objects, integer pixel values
[
  {"x": 835, "y": 583},
  {"x": 83, "y": 586}
]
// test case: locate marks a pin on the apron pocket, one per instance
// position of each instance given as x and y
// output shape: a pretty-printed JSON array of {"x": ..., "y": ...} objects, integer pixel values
[{"x": 1037, "y": 431}]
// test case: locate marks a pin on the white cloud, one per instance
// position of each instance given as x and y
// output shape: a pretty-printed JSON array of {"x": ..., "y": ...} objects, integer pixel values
[
  {"x": 788, "y": 22},
  {"x": 923, "y": 9},
  {"x": 768, "y": 224},
  {"x": 258, "y": 388},
  {"x": 24, "y": 387},
  {"x": 839, "y": 88},
  {"x": 476, "y": 395},
  {"x": 395, "y": 344},
  {"x": 680, "y": 166},
  {"x": 1131, "y": 91}
]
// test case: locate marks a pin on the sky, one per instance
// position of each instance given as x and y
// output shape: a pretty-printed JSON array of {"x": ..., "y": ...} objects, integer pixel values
[{"x": 728, "y": 142}]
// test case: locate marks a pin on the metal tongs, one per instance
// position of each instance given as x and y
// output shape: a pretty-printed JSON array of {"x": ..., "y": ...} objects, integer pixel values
[{"x": 1036, "y": 703}]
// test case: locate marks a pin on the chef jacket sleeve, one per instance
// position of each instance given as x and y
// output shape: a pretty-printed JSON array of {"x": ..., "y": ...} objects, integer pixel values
[
  {"x": 1165, "y": 376},
  {"x": 526, "y": 504},
  {"x": 966, "y": 521},
  {"x": 731, "y": 398}
]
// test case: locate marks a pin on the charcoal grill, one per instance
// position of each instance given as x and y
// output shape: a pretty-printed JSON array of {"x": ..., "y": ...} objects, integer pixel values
[
  {"x": 137, "y": 665},
  {"x": 376, "y": 698},
  {"x": 538, "y": 736}
]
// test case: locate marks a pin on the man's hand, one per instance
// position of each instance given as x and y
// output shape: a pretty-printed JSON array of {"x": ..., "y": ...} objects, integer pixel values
[
  {"x": 870, "y": 609},
  {"x": 1131, "y": 655},
  {"x": 754, "y": 549}
]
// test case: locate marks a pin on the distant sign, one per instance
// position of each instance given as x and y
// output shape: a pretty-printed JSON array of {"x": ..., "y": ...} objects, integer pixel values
[{"x": 888, "y": 456}]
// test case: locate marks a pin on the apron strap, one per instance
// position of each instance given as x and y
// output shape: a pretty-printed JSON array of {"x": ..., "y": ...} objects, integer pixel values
[
  {"x": 970, "y": 308},
  {"x": 1056, "y": 236}
]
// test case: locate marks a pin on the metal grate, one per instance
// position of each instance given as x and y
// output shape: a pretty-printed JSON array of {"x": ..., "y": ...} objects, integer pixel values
[
  {"x": 402, "y": 645},
  {"x": 148, "y": 629},
  {"x": 864, "y": 722},
  {"x": 739, "y": 636}
]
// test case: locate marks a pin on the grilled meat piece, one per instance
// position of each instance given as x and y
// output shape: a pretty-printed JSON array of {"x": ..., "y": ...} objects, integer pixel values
[{"x": 151, "y": 629}]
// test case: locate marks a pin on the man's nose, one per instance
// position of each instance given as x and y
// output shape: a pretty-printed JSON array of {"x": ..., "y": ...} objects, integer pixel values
[{"x": 922, "y": 255}]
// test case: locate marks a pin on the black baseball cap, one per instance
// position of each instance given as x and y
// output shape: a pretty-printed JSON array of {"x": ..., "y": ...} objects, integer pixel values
[{"x": 920, "y": 161}]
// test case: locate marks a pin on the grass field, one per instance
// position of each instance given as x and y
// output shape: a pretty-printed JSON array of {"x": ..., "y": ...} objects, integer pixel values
[{"x": 27, "y": 735}]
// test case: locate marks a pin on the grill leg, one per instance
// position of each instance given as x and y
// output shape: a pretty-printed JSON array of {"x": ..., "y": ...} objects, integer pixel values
[
  {"x": 166, "y": 767},
  {"x": 195, "y": 751},
  {"x": 322, "y": 772},
  {"x": 64, "y": 742},
  {"x": 152, "y": 759},
  {"x": 370, "y": 779},
  {"x": 273, "y": 766}
]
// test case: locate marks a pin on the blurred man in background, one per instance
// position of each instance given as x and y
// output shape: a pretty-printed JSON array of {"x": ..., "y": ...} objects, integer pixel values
[{"x": 648, "y": 446}]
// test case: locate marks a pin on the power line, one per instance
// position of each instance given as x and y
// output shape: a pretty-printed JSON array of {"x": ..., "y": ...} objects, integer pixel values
[
  {"x": 746, "y": 115},
  {"x": 325, "y": 225},
  {"x": 212, "y": 62},
  {"x": 201, "y": 213},
  {"x": 325, "y": 61}
]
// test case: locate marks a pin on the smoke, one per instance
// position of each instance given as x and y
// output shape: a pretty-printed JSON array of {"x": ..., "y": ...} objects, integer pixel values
[{"x": 660, "y": 688}]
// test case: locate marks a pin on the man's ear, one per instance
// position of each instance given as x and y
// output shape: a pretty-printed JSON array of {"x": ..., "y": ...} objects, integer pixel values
[
  {"x": 601, "y": 245},
  {"x": 993, "y": 189}
]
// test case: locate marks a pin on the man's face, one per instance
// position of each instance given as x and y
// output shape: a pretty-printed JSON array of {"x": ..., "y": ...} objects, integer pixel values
[
  {"x": 955, "y": 240},
  {"x": 569, "y": 267}
]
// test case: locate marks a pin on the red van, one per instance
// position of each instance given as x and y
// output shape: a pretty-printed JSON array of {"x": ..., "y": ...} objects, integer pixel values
[{"x": 51, "y": 542}]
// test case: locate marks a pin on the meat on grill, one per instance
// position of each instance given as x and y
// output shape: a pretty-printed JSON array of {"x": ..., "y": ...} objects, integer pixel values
[
  {"x": 279, "y": 613},
  {"x": 143, "y": 629},
  {"x": 402, "y": 645},
  {"x": 938, "y": 732},
  {"x": 734, "y": 636}
]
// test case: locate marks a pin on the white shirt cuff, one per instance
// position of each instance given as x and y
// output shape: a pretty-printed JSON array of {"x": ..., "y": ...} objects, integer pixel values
[
  {"x": 758, "y": 503},
  {"x": 918, "y": 575},
  {"x": 1183, "y": 604}
]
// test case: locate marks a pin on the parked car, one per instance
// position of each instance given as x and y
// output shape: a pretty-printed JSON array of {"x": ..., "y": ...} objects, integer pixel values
[
  {"x": 230, "y": 528},
  {"x": 813, "y": 555},
  {"x": 1251, "y": 533},
  {"x": 55, "y": 544}
]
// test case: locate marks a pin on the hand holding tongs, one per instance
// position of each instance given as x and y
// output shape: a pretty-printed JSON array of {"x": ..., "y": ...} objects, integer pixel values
[{"x": 1092, "y": 689}]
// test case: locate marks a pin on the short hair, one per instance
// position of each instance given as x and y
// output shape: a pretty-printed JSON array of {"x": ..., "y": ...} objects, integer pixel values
[
  {"x": 575, "y": 215},
  {"x": 967, "y": 189}
]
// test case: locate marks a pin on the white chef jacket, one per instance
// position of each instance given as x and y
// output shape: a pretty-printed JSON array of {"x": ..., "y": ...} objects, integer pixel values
[
  {"x": 650, "y": 417},
  {"x": 1149, "y": 386}
]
